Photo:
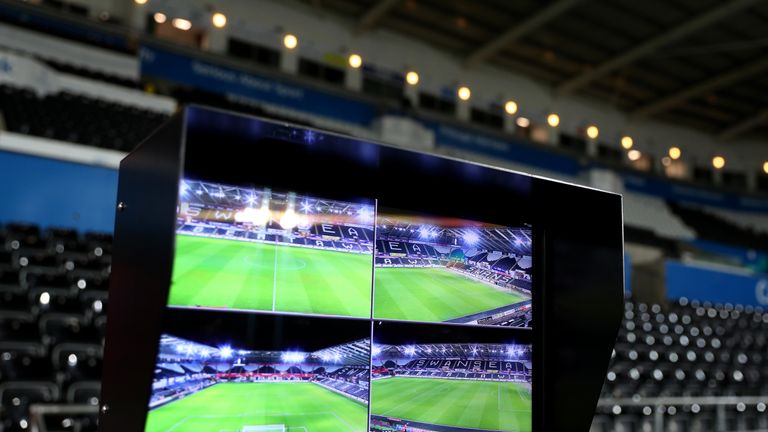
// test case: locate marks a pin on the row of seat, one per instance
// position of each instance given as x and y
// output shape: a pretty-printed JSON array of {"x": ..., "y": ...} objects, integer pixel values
[{"x": 76, "y": 118}]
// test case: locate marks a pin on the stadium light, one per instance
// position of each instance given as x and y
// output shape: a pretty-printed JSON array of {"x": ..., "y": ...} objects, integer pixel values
[
  {"x": 160, "y": 17},
  {"x": 410, "y": 350},
  {"x": 365, "y": 214},
  {"x": 593, "y": 132},
  {"x": 355, "y": 61},
  {"x": 718, "y": 162},
  {"x": 375, "y": 350},
  {"x": 290, "y": 41},
  {"x": 627, "y": 142},
  {"x": 634, "y": 155},
  {"x": 140, "y": 2},
  {"x": 181, "y": 24},
  {"x": 675, "y": 153},
  {"x": 412, "y": 78},
  {"x": 289, "y": 219},
  {"x": 424, "y": 232},
  {"x": 471, "y": 238},
  {"x": 510, "y": 107},
  {"x": 225, "y": 351},
  {"x": 306, "y": 207},
  {"x": 464, "y": 93},
  {"x": 293, "y": 357},
  {"x": 219, "y": 20},
  {"x": 251, "y": 200},
  {"x": 765, "y": 167},
  {"x": 45, "y": 298},
  {"x": 523, "y": 122},
  {"x": 553, "y": 120},
  {"x": 72, "y": 360}
]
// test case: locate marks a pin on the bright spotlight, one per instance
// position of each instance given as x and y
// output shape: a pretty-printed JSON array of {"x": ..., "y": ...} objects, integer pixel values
[
  {"x": 45, "y": 298},
  {"x": 219, "y": 20},
  {"x": 593, "y": 132},
  {"x": 365, "y": 214},
  {"x": 718, "y": 162},
  {"x": 510, "y": 107},
  {"x": 412, "y": 78},
  {"x": 523, "y": 122},
  {"x": 289, "y": 220},
  {"x": 464, "y": 93},
  {"x": 72, "y": 360},
  {"x": 375, "y": 350},
  {"x": 410, "y": 350},
  {"x": 675, "y": 153},
  {"x": 293, "y": 357},
  {"x": 765, "y": 167},
  {"x": 140, "y": 2},
  {"x": 471, "y": 238},
  {"x": 181, "y": 24},
  {"x": 225, "y": 352},
  {"x": 553, "y": 120},
  {"x": 160, "y": 17},
  {"x": 355, "y": 61},
  {"x": 255, "y": 216},
  {"x": 290, "y": 41},
  {"x": 627, "y": 142},
  {"x": 634, "y": 155}
]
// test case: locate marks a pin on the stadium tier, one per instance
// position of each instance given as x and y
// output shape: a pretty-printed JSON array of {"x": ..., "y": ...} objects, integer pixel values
[{"x": 76, "y": 118}]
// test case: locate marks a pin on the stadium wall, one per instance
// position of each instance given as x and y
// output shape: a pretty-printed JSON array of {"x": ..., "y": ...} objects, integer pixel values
[
  {"x": 706, "y": 284},
  {"x": 56, "y": 193}
]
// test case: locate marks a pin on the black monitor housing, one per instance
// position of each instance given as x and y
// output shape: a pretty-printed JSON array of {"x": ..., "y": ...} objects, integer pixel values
[{"x": 577, "y": 280}]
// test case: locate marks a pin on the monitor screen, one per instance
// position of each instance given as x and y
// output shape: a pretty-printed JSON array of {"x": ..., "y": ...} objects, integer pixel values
[{"x": 301, "y": 311}]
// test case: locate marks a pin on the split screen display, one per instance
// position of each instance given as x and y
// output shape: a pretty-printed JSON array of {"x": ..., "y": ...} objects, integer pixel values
[{"x": 296, "y": 312}]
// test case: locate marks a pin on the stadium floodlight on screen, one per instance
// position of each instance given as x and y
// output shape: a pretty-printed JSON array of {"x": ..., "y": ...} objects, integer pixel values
[{"x": 270, "y": 277}]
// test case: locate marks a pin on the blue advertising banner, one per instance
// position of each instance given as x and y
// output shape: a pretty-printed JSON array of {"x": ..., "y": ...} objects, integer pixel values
[
  {"x": 716, "y": 286},
  {"x": 54, "y": 193},
  {"x": 507, "y": 149},
  {"x": 698, "y": 195},
  {"x": 227, "y": 81}
]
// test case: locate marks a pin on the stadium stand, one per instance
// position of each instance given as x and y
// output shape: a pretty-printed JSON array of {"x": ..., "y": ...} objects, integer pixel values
[
  {"x": 54, "y": 283},
  {"x": 643, "y": 211},
  {"x": 53, "y": 291},
  {"x": 186, "y": 367},
  {"x": 687, "y": 349},
  {"x": 712, "y": 227},
  {"x": 59, "y": 116}
]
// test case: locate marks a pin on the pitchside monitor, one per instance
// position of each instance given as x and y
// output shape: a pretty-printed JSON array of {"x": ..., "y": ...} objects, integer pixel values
[{"x": 271, "y": 277}]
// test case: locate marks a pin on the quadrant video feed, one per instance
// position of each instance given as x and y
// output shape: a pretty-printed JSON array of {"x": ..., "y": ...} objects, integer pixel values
[
  {"x": 451, "y": 270},
  {"x": 253, "y": 372},
  {"x": 269, "y": 250},
  {"x": 431, "y": 377}
]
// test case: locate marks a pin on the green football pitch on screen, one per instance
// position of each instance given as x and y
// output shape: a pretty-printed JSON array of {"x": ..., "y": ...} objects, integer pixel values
[
  {"x": 223, "y": 273},
  {"x": 236, "y": 407}
]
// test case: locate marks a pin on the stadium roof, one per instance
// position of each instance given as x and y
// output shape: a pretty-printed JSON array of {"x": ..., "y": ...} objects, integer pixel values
[{"x": 700, "y": 63}]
